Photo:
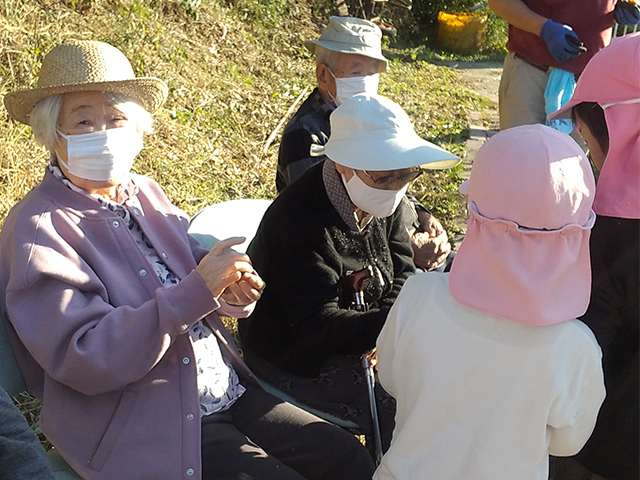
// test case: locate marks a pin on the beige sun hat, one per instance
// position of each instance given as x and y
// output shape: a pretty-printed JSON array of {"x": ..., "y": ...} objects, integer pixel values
[
  {"x": 351, "y": 35},
  {"x": 79, "y": 66}
]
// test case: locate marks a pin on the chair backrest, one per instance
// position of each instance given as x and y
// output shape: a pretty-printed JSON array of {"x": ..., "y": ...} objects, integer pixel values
[
  {"x": 622, "y": 30},
  {"x": 233, "y": 218},
  {"x": 10, "y": 376}
]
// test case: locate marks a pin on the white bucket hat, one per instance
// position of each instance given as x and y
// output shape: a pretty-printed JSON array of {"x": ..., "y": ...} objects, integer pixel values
[
  {"x": 351, "y": 35},
  {"x": 81, "y": 66},
  {"x": 371, "y": 132}
]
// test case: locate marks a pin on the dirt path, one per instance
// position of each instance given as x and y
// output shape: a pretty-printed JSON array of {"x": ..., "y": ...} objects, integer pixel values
[{"x": 482, "y": 78}]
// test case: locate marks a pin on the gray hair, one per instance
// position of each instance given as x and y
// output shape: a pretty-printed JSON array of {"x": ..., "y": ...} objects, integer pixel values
[
  {"x": 44, "y": 116},
  {"x": 327, "y": 57}
]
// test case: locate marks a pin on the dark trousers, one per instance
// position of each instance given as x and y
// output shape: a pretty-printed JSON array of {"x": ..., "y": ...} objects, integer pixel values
[
  {"x": 339, "y": 389},
  {"x": 262, "y": 437}
]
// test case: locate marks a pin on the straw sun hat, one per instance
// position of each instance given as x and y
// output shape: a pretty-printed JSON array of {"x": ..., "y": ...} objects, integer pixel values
[{"x": 86, "y": 66}]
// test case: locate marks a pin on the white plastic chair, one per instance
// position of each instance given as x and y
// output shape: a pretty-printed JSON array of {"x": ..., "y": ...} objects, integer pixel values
[
  {"x": 233, "y": 218},
  {"x": 241, "y": 218},
  {"x": 621, "y": 30}
]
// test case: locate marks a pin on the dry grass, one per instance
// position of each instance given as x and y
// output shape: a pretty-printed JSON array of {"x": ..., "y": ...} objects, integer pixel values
[{"x": 232, "y": 80}]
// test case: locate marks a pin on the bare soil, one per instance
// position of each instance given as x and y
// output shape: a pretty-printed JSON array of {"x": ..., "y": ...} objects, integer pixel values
[{"x": 482, "y": 78}]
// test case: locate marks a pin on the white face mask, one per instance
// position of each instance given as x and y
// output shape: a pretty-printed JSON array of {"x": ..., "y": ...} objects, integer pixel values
[
  {"x": 102, "y": 155},
  {"x": 348, "y": 87},
  {"x": 379, "y": 203}
]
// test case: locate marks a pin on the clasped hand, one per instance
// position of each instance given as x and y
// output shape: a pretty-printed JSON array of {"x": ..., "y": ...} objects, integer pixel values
[
  {"x": 430, "y": 242},
  {"x": 229, "y": 275}
]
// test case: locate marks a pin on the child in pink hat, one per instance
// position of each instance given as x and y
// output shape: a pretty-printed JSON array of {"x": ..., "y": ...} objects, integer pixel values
[
  {"x": 489, "y": 366},
  {"x": 606, "y": 110}
]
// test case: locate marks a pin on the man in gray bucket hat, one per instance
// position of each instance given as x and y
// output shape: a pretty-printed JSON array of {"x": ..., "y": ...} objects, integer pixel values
[{"x": 348, "y": 61}]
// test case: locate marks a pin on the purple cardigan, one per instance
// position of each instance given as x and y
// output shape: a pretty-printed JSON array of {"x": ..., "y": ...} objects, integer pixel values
[{"x": 99, "y": 340}]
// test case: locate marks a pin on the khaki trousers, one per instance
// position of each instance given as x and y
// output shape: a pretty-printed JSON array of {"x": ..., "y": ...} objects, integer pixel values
[{"x": 521, "y": 93}]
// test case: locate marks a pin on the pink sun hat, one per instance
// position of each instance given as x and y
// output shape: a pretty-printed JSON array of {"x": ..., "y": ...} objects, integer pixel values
[
  {"x": 525, "y": 256},
  {"x": 612, "y": 79}
]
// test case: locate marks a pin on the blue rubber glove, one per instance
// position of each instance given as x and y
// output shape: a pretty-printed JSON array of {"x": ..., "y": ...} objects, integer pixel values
[
  {"x": 561, "y": 40},
  {"x": 627, "y": 13}
]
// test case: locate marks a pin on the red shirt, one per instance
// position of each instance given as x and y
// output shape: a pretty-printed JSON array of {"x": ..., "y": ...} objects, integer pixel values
[{"x": 590, "y": 19}]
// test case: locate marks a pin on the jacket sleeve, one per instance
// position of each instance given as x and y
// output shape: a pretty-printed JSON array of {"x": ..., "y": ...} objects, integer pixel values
[
  {"x": 21, "y": 455},
  {"x": 294, "y": 157},
  {"x": 63, "y": 314},
  {"x": 573, "y": 414}
]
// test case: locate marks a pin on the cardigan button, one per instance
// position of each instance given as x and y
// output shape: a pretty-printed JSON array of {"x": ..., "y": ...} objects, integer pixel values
[
  {"x": 164, "y": 255},
  {"x": 116, "y": 223},
  {"x": 186, "y": 360},
  {"x": 190, "y": 471},
  {"x": 136, "y": 211},
  {"x": 190, "y": 416},
  {"x": 143, "y": 272}
]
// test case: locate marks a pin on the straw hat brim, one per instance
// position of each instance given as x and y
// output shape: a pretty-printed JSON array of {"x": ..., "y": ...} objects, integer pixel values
[{"x": 151, "y": 92}]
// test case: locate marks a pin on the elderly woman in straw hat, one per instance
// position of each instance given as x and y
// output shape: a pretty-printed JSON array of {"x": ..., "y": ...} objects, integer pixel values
[{"x": 113, "y": 308}]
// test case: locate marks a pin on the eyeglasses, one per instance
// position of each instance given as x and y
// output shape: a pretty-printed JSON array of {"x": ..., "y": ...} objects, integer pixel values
[{"x": 402, "y": 178}]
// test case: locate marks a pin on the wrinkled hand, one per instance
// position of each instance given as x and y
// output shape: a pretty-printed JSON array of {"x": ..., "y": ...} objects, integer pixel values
[
  {"x": 245, "y": 291},
  {"x": 430, "y": 242},
  {"x": 561, "y": 40},
  {"x": 223, "y": 267},
  {"x": 627, "y": 13}
]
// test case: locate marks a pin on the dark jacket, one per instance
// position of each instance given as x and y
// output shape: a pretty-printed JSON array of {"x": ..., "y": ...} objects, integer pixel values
[
  {"x": 21, "y": 455},
  {"x": 302, "y": 249},
  {"x": 614, "y": 317}
]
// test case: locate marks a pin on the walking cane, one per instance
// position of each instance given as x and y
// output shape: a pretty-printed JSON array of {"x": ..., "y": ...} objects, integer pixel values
[
  {"x": 356, "y": 282},
  {"x": 371, "y": 382}
]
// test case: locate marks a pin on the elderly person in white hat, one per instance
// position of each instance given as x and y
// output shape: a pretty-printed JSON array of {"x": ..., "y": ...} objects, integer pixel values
[
  {"x": 348, "y": 61},
  {"x": 113, "y": 309},
  {"x": 334, "y": 252},
  {"x": 490, "y": 368}
]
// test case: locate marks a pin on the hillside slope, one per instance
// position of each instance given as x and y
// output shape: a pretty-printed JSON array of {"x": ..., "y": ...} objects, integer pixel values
[{"x": 235, "y": 70}]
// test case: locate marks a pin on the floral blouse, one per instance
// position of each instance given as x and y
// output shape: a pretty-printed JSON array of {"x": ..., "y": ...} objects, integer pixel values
[{"x": 218, "y": 383}]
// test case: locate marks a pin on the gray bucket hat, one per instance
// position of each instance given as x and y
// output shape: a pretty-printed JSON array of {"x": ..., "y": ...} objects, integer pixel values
[{"x": 351, "y": 35}]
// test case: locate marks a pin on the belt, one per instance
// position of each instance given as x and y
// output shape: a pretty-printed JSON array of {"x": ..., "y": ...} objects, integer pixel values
[{"x": 544, "y": 68}]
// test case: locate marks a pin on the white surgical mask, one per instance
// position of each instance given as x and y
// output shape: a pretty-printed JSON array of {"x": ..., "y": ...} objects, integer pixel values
[
  {"x": 351, "y": 86},
  {"x": 102, "y": 155},
  {"x": 376, "y": 202}
]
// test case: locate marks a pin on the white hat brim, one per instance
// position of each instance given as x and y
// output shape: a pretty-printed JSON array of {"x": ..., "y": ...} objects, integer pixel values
[{"x": 369, "y": 151}]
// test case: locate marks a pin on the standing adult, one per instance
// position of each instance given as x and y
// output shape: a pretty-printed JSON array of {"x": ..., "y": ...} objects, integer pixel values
[
  {"x": 349, "y": 61},
  {"x": 546, "y": 34},
  {"x": 606, "y": 109}
]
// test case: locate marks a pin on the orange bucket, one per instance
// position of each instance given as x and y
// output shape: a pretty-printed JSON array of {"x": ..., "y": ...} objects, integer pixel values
[{"x": 461, "y": 32}]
